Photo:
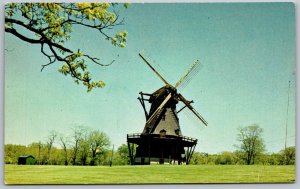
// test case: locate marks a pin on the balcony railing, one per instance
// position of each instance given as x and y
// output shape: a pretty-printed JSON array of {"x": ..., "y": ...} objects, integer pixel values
[{"x": 184, "y": 138}]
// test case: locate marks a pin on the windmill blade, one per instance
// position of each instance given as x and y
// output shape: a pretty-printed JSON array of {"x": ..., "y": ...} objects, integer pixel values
[
  {"x": 188, "y": 104},
  {"x": 194, "y": 68},
  {"x": 154, "y": 70},
  {"x": 190, "y": 77},
  {"x": 157, "y": 112}
]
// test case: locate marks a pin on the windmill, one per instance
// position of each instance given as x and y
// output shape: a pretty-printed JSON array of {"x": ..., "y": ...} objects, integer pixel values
[{"x": 161, "y": 139}]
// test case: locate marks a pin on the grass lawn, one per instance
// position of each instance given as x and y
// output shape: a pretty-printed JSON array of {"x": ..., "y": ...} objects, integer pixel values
[{"x": 39, "y": 174}]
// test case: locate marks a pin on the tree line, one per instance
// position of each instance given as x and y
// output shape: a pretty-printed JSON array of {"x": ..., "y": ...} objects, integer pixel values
[
  {"x": 238, "y": 158},
  {"x": 250, "y": 150},
  {"x": 82, "y": 147},
  {"x": 93, "y": 147}
]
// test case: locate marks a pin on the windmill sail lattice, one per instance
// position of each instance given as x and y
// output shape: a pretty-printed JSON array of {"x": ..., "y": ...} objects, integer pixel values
[{"x": 161, "y": 139}]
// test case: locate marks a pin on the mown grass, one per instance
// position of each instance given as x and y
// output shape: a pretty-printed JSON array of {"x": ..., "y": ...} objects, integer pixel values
[{"x": 35, "y": 174}]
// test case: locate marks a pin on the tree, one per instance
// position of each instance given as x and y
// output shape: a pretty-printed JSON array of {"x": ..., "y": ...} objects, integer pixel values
[
  {"x": 49, "y": 144},
  {"x": 84, "y": 150},
  {"x": 98, "y": 141},
  {"x": 50, "y": 26},
  {"x": 199, "y": 158},
  {"x": 226, "y": 158},
  {"x": 252, "y": 143},
  {"x": 77, "y": 136},
  {"x": 105, "y": 158},
  {"x": 123, "y": 154},
  {"x": 64, "y": 145},
  {"x": 240, "y": 155},
  {"x": 288, "y": 155},
  {"x": 36, "y": 149},
  {"x": 12, "y": 152}
]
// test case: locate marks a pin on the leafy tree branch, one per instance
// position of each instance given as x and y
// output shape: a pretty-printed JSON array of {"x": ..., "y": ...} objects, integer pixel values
[{"x": 50, "y": 25}]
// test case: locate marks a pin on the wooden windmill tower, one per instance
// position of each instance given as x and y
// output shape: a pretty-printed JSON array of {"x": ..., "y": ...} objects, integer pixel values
[{"x": 161, "y": 140}]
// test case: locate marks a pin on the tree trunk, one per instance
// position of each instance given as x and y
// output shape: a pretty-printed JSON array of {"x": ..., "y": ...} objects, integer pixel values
[{"x": 93, "y": 157}]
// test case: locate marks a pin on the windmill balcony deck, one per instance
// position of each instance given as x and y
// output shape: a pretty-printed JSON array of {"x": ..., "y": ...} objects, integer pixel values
[{"x": 137, "y": 137}]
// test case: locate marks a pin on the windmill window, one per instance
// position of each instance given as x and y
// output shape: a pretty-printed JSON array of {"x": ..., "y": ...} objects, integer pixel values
[
  {"x": 177, "y": 131},
  {"x": 163, "y": 118},
  {"x": 162, "y": 133}
]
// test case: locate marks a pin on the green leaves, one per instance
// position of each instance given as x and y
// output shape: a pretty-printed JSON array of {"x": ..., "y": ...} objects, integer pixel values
[
  {"x": 77, "y": 69},
  {"x": 64, "y": 70},
  {"x": 96, "y": 12},
  {"x": 120, "y": 39},
  {"x": 126, "y": 5}
]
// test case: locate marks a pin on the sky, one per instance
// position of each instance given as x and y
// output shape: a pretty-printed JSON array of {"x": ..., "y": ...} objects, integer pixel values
[{"x": 247, "y": 55}]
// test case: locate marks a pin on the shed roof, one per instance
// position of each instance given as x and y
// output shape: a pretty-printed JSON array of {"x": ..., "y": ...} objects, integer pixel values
[{"x": 26, "y": 156}]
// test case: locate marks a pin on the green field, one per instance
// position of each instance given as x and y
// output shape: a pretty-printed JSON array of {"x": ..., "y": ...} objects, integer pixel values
[{"x": 36, "y": 174}]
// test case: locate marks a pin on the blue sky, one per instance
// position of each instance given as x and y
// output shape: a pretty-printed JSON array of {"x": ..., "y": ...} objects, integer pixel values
[{"x": 247, "y": 52}]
